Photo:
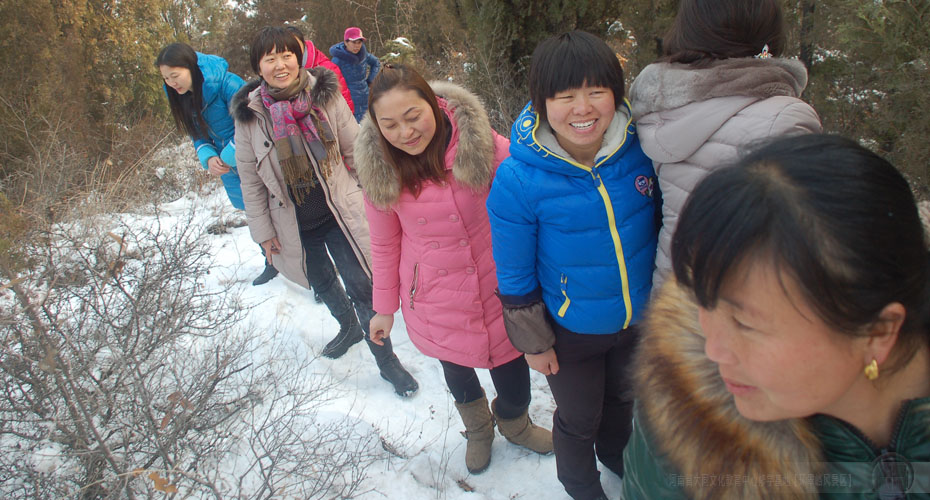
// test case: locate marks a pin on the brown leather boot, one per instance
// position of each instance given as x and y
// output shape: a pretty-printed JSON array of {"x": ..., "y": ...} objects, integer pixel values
[
  {"x": 479, "y": 430},
  {"x": 522, "y": 431}
]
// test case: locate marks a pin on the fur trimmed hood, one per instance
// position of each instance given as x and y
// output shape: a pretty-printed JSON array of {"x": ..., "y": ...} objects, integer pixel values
[
  {"x": 324, "y": 86},
  {"x": 472, "y": 137},
  {"x": 664, "y": 86},
  {"x": 685, "y": 406}
]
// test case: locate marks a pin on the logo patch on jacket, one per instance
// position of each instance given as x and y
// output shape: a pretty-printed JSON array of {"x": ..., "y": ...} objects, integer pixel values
[{"x": 644, "y": 185}]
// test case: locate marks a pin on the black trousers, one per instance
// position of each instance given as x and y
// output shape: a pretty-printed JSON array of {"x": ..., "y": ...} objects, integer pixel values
[
  {"x": 594, "y": 414},
  {"x": 328, "y": 239},
  {"x": 511, "y": 381}
]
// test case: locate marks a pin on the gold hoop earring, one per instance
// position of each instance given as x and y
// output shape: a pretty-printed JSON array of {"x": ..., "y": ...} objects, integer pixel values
[{"x": 871, "y": 370}]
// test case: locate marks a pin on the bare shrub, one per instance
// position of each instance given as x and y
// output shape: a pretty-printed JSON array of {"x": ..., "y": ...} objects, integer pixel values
[{"x": 123, "y": 375}]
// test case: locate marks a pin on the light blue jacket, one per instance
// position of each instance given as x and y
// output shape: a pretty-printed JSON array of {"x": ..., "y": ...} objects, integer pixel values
[
  {"x": 219, "y": 86},
  {"x": 585, "y": 236}
]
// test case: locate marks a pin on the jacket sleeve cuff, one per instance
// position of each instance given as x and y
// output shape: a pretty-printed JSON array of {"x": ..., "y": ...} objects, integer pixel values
[
  {"x": 527, "y": 327},
  {"x": 262, "y": 232},
  {"x": 385, "y": 301},
  {"x": 204, "y": 153},
  {"x": 521, "y": 300}
]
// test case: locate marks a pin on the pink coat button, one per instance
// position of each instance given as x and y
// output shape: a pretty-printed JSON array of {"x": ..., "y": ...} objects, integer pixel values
[
  {"x": 454, "y": 218},
  {"x": 463, "y": 243},
  {"x": 470, "y": 270},
  {"x": 421, "y": 221},
  {"x": 442, "y": 272},
  {"x": 434, "y": 244}
]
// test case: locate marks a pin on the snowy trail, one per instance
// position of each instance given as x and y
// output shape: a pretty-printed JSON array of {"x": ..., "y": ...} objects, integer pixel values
[{"x": 423, "y": 432}]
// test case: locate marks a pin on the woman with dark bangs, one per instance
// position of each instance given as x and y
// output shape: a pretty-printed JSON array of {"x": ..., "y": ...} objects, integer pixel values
[
  {"x": 199, "y": 89},
  {"x": 791, "y": 359},
  {"x": 573, "y": 223},
  {"x": 723, "y": 83},
  {"x": 426, "y": 158},
  {"x": 294, "y": 137}
]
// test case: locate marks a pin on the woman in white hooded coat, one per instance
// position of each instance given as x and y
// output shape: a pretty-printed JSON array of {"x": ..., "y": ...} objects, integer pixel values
[{"x": 721, "y": 85}]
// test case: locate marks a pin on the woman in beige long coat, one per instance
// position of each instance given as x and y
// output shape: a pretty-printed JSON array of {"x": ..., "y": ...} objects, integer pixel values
[{"x": 294, "y": 139}]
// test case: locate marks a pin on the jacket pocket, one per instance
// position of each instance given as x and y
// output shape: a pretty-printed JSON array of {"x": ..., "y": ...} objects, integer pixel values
[
  {"x": 564, "y": 287},
  {"x": 414, "y": 284}
]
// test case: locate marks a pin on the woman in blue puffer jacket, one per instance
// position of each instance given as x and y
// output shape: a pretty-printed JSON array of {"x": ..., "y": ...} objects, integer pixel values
[
  {"x": 358, "y": 67},
  {"x": 572, "y": 215},
  {"x": 199, "y": 88}
]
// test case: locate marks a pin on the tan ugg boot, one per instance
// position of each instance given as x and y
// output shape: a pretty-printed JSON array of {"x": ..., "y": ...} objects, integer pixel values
[
  {"x": 479, "y": 430},
  {"x": 522, "y": 431}
]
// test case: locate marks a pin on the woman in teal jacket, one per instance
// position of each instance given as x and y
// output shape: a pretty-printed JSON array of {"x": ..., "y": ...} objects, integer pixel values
[
  {"x": 791, "y": 359},
  {"x": 572, "y": 215},
  {"x": 199, "y": 89}
]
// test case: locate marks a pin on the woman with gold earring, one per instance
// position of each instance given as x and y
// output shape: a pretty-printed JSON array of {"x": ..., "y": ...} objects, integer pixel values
[{"x": 793, "y": 351}]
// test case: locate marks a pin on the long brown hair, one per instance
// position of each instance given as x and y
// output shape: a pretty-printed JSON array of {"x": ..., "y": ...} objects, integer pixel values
[{"x": 428, "y": 165}]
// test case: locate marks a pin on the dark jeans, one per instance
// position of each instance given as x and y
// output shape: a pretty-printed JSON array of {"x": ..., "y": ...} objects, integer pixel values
[
  {"x": 322, "y": 276},
  {"x": 511, "y": 381},
  {"x": 594, "y": 414}
]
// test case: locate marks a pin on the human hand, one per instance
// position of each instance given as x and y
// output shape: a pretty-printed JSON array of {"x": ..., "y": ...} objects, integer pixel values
[
  {"x": 380, "y": 327},
  {"x": 272, "y": 247},
  {"x": 544, "y": 362},
  {"x": 216, "y": 166}
]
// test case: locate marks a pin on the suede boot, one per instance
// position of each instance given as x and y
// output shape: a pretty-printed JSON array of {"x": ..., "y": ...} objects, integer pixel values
[
  {"x": 479, "y": 431},
  {"x": 522, "y": 431}
]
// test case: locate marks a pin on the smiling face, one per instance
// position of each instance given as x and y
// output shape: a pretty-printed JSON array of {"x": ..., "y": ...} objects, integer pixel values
[
  {"x": 580, "y": 117},
  {"x": 405, "y": 119},
  {"x": 776, "y": 356},
  {"x": 279, "y": 69},
  {"x": 177, "y": 77}
]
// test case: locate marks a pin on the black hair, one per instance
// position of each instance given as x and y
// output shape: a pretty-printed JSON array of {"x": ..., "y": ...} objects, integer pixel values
[
  {"x": 837, "y": 218},
  {"x": 185, "y": 108},
  {"x": 706, "y": 30},
  {"x": 570, "y": 60},
  {"x": 274, "y": 39}
]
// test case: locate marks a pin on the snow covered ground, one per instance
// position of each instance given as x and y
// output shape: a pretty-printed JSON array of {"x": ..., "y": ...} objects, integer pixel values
[{"x": 427, "y": 458}]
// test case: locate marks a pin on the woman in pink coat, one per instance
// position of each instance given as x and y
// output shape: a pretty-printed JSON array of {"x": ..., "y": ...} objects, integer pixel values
[{"x": 426, "y": 158}]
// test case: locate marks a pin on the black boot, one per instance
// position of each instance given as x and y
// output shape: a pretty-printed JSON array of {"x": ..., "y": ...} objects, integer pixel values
[
  {"x": 391, "y": 369},
  {"x": 267, "y": 275},
  {"x": 350, "y": 333}
]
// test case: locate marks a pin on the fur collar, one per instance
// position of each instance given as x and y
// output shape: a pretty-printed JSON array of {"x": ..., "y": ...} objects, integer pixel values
[
  {"x": 694, "y": 423},
  {"x": 474, "y": 156},
  {"x": 664, "y": 86},
  {"x": 246, "y": 102}
]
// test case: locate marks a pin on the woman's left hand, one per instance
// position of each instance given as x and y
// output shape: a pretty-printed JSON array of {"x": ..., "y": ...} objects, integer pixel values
[
  {"x": 380, "y": 327},
  {"x": 216, "y": 166}
]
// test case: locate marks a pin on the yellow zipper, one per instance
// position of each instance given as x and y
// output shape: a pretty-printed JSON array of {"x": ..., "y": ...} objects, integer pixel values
[
  {"x": 614, "y": 233},
  {"x": 568, "y": 301}
]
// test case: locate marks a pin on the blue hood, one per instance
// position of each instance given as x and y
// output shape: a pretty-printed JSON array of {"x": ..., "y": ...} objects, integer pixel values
[
  {"x": 339, "y": 50},
  {"x": 532, "y": 142}
]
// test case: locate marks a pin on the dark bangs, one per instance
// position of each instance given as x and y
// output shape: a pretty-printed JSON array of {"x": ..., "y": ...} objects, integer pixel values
[
  {"x": 273, "y": 39},
  {"x": 570, "y": 60}
]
